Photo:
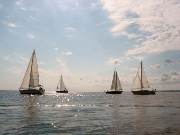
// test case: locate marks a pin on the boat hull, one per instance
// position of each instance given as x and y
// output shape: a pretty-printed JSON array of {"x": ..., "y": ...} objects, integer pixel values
[
  {"x": 144, "y": 92},
  {"x": 34, "y": 91},
  {"x": 114, "y": 92},
  {"x": 62, "y": 91}
]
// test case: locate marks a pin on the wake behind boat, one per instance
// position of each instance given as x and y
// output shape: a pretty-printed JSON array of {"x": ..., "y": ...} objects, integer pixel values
[
  {"x": 61, "y": 88},
  {"x": 116, "y": 85},
  {"x": 30, "y": 83},
  {"x": 141, "y": 84}
]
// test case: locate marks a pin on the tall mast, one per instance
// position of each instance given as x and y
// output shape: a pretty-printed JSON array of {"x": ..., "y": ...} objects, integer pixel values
[
  {"x": 115, "y": 79},
  {"x": 141, "y": 75}
]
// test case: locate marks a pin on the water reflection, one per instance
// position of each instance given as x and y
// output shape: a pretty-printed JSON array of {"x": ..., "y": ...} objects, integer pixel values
[
  {"x": 31, "y": 113},
  {"x": 141, "y": 113},
  {"x": 115, "y": 117}
]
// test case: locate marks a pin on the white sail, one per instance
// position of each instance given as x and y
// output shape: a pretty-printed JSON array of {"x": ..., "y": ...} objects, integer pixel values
[
  {"x": 113, "y": 85},
  {"x": 145, "y": 83},
  {"x": 141, "y": 82},
  {"x": 31, "y": 78},
  {"x": 116, "y": 85},
  {"x": 34, "y": 76},
  {"x": 137, "y": 82},
  {"x": 62, "y": 85}
]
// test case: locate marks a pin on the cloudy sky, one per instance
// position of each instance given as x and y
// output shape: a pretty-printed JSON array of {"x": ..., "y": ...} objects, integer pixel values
[{"x": 85, "y": 40}]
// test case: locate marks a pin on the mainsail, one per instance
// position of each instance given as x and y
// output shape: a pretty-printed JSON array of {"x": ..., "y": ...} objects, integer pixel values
[
  {"x": 31, "y": 78},
  {"x": 145, "y": 83},
  {"x": 62, "y": 85},
  {"x": 116, "y": 85},
  {"x": 141, "y": 81}
]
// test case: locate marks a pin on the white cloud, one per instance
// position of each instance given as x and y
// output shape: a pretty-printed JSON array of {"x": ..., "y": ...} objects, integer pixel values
[
  {"x": 155, "y": 21},
  {"x": 71, "y": 29},
  {"x": 131, "y": 69},
  {"x": 42, "y": 63},
  {"x": 168, "y": 61},
  {"x": 19, "y": 2},
  {"x": 140, "y": 58},
  {"x": 102, "y": 23},
  {"x": 67, "y": 53},
  {"x": 94, "y": 4},
  {"x": 56, "y": 49},
  {"x": 169, "y": 77},
  {"x": 23, "y": 58},
  {"x": 17, "y": 71},
  {"x": 77, "y": 4},
  {"x": 115, "y": 61},
  {"x": 128, "y": 58},
  {"x": 22, "y": 8},
  {"x": 157, "y": 66},
  {"x": 0, "y": 6},
  {"x": 30, "y": 36},
  {"x": 6, "y": 57},
  {"x": 12, "y": 25},
  {"x": 59, "y": 60},
  {"x": 70, "y": 36},
  {"x": 101, "y": 79}
]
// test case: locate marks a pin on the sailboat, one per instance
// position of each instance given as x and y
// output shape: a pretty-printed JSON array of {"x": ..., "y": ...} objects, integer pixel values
[
  {"x": 116, "y": 85},
  {"x": 141, "y": 84},
  {"x": 30, "y": 83},
  {"x": 61, "y": 88}
]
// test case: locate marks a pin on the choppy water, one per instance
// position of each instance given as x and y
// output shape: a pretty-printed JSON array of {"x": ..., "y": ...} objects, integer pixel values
[{"x": 89, "y": 113}]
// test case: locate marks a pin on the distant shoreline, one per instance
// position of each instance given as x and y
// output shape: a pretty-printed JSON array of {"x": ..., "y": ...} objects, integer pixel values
[{"x": 168, "y": 91}]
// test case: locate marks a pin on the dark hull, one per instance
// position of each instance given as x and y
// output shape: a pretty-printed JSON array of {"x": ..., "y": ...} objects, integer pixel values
[
  {"x": 62, "y": 91},
  {"x": 144, "y": 92},
  {"x": 34, "y": 91},
  {"x": 114, "y": 92}
]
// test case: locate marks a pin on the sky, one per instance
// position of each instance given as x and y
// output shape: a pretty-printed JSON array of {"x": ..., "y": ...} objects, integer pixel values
[{"x": 86, "y": 40}]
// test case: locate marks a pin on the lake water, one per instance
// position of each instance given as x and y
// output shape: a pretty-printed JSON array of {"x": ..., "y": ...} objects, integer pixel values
[{"x": 89, "y": 113}]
